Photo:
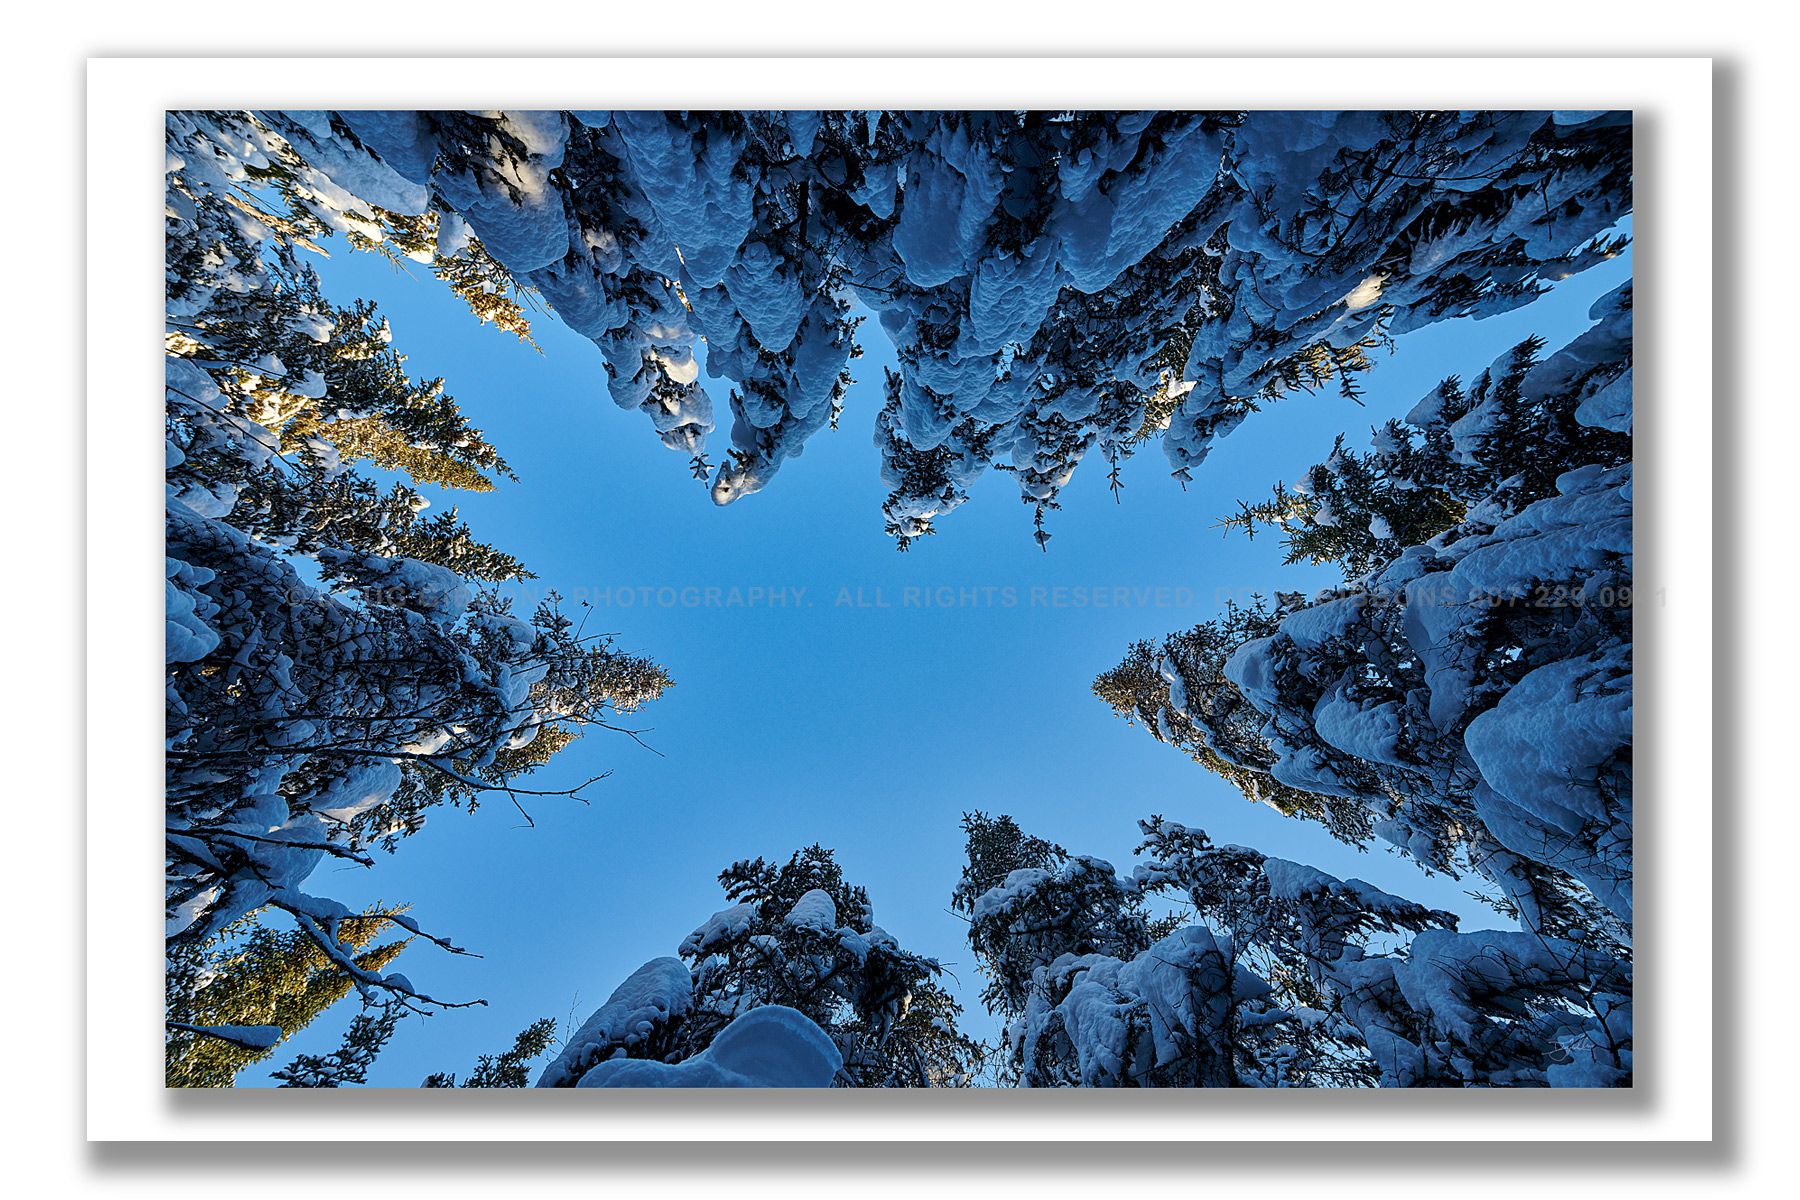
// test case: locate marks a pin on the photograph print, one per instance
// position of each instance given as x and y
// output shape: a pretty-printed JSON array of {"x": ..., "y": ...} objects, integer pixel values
[{"x": 1194, "y": 649}]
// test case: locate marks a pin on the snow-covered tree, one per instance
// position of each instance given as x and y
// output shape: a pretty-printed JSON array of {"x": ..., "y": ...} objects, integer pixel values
[
  {"x": 1161, "y": 683},
  {"x": 1270, "y": 973},
  {"x": 1510, "y": 434},
  {"x": 1397, "y": 993},
  {"x": 335, "y": 667},
  {"x": 252, "y": 975},
  {"x": 1076, "y": 906},
  {"x": 1468, "y": 689},
  {"x": 800, "y": 939}
]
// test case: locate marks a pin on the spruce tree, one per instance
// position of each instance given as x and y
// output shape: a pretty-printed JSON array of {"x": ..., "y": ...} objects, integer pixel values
[
  {"x": 509, "y": 1068},
  {"x": 254, "y": 975},
  {"x": 1465, "y": 695},
  {"x": 801, "y": 937}
]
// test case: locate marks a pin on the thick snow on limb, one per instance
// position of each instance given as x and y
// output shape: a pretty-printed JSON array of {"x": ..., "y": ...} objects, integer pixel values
[
  {"x": 768, "y": 1047},
  {"x": 657, "y": 993},
  {"x": 1166, "y": 1010},
  {"x": 1053, "y": 282},
  {"x": 814, "y": 910},
  {"x": 248, "y": 1037}
]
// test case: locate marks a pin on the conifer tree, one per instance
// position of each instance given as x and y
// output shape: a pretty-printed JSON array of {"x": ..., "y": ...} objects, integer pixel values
[
  {"x": 1179, "y": 690},
  {"x": 1465, "y": 696},
  {"x": 368, "y": 1035},
  {"x": 1029, "y": 903},
  {"x": 801, "y": 937},
  {"x": 1506, "y": 435},
  {"x": 254, "y": 975}
]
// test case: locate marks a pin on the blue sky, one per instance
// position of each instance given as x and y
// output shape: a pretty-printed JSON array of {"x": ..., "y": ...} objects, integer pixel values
[{"x": 855, "y": 714}]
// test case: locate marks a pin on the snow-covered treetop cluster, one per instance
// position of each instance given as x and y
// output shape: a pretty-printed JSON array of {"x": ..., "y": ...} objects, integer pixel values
[
  {"x": 339, "y": 663},
  {"x": 1053, "y": 282}
]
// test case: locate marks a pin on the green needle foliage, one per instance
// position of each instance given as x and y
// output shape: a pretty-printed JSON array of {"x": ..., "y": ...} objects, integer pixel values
[{"x": 253, "y": 975}]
